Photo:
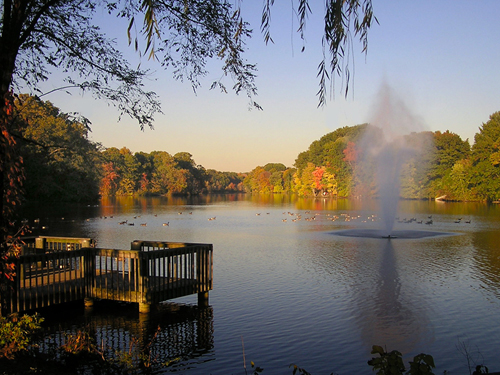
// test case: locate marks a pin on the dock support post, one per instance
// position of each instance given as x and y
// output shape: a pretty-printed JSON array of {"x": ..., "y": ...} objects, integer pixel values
[
  {"x": 203, "y": 299},
  {"x": 144, "y": 308}
]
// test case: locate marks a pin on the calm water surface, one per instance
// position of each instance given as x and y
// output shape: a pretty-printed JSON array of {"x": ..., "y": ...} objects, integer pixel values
[{"x": 289, "y": 290}]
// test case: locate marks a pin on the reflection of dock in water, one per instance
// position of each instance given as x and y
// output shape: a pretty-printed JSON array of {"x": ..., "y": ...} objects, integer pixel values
[{"x": 169, "y": 333}]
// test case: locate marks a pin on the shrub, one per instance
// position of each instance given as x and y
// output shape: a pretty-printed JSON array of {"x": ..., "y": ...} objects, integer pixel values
[{"x": 16, "y": 333}]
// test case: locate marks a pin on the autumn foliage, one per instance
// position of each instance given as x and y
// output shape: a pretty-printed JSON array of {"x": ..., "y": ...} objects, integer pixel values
[
  {"x": 351, "y": 153},
  {"x": 11, "y": 178},
  {"x": 11, "y": 171},
  {"x": 318, "y": 177}
]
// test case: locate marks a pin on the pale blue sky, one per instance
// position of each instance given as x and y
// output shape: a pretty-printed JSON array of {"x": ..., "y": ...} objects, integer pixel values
[{"x": 440, "y": 57}]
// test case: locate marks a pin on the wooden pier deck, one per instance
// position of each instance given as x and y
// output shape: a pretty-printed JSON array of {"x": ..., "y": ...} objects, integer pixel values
[{"x": 57, "y": 270}]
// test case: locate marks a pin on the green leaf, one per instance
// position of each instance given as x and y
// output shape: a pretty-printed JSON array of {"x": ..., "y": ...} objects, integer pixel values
[{"x": 377, "y": 350}]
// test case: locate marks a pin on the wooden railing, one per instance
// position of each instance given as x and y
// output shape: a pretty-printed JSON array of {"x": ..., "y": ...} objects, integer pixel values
[
  {"x": 149, "y": 273},
  {"x": 188, "y": 267},
  {"x": 50, "y": 244}
]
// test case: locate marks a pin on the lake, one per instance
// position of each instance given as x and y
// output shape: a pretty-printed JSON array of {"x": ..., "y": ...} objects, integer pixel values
[{"x": 289, "y": 290}]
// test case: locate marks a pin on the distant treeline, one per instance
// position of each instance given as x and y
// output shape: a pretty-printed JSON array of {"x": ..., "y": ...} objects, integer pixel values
[
  {"x": 61, "y": 163},
  {"x": 439, "y": 164},
  {"x": 159, "y": 173}
]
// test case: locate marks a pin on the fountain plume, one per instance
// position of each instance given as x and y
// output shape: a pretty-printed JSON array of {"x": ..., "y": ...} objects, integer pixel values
[{"x": 386, "y": 149}]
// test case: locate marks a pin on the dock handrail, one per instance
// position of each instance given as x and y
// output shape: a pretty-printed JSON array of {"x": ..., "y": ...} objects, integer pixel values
[
  {"x": 64, "y": 270},
  {"x": 52, "y": 243}
]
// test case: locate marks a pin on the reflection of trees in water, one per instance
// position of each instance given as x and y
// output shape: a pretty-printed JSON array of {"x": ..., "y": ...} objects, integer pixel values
[
  {"x": 179, "y": 333},
  {"x": 486, "y": 258}
]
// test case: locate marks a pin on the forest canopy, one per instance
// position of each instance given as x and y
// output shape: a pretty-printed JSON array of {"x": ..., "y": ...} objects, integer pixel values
[{"x": 62, "y": 163}]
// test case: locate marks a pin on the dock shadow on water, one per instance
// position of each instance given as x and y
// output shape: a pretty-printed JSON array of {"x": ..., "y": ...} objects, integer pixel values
[{"x": 172, "y": 336}]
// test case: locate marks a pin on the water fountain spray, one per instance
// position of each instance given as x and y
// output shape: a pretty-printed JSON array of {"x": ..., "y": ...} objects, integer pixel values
[{"x": 386, "y": 147}]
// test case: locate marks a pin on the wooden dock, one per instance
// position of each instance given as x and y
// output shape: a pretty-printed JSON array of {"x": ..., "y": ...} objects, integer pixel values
[{"x": 54, "y": 270}]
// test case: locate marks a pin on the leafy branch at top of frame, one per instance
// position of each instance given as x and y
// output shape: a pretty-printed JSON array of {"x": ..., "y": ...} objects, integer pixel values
[{"x": 344, "y": 20}]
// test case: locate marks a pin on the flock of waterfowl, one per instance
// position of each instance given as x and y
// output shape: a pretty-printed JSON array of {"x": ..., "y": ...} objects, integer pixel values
[
  {"x": 359, "y": 218},
  {"x": 292, "y": 217},
  {"x": 165, "y": 224}
]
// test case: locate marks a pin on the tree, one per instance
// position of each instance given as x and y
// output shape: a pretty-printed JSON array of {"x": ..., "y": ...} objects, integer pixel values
[
  {"x": 416, "y": 172},
  {"x": 109, "y": 185},
  {"x": 216, "y": 181},
  {"x": 145, "y": 170},
  {"x": 257, "y": 181},
  {"x": 351, "y": 154},
  {"x": 130, "y": 172},
  {"x": 196, "y": 175},
  {"x": 343, "y": 19},
  {"x": 274, "y": 167},
  {"x": 41, "y": 36},
  {"x": 304, "y": 180},
  {"x": 167, "y": 177},
  {"x": 460, "y": 180},
  {"x": 485, "y": 151},
  {"x": 38, "y": 37},
  {"x": 59, "y": 158},
  {"x": 111, "y": 171},
  {"x": 276, "y": 181},
  {"x": 449, "y": 148},
  {"x": 330, "y": 152},
  {"x": 318, "y": 180},
  {"x": 287, "y": 177}
]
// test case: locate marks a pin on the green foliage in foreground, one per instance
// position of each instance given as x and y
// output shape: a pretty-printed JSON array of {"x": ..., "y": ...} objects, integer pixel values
[
  {"x": 392, "y": 363},
  {"x": 16, "y": 334},
  {"x": 79, "y": 354},
  {"x": 387, "y": 363}
]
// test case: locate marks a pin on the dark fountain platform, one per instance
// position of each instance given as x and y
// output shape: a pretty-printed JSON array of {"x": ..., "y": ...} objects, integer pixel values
[{"x": 395, "y": 234}]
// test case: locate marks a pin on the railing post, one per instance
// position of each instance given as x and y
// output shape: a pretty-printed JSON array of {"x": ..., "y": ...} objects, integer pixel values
[
  {"x": 89, "y": 271},
  {"x": 203, "y": 274},
  {"x": 40, "y": 243},
  {"x": 136, "y": 245},
  {"x": 144, "y": 282}
]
